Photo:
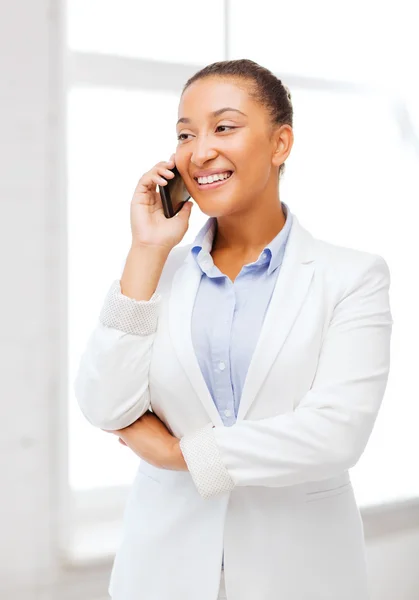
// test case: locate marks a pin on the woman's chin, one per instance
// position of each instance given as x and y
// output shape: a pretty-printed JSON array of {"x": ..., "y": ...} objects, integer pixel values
[
  {"x": 220, "y": 205},
  {"x": 217, "y": 211}
]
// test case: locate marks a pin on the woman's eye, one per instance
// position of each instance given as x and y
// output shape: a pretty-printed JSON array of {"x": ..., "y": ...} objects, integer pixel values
[{"x": 181, "y": 138}]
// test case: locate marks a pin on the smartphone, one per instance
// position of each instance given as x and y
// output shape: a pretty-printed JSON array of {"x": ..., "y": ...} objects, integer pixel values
[{"x": 173, "y": 195}]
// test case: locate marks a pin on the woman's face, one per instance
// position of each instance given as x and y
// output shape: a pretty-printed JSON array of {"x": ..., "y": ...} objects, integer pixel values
[{"x": 230, "y": 141}]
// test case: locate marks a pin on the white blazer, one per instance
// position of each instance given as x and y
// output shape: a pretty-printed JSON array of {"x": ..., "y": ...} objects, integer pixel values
[{"x": 274, "y": 489}]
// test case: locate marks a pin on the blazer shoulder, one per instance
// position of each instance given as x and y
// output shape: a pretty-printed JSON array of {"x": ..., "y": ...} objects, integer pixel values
[
  {"x": 346, "y": 259},
  {"x": 345, "y": 268}
]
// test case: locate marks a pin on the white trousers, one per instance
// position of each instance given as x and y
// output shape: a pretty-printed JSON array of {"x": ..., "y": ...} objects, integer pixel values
[{"x": 222, "y": 590}]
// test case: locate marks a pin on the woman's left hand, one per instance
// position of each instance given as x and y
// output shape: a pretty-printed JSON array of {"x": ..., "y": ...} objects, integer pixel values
[{"x": 150, "y": 439}]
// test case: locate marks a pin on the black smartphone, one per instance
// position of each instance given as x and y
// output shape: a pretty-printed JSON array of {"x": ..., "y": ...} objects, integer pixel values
[{"x": 173, "y": 195}]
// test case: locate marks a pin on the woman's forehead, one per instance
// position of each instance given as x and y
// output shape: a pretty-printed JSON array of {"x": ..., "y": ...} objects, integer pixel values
[{"x": 203, "y": 97}]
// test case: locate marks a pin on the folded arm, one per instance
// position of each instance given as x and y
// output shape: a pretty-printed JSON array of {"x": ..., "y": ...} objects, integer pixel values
[{"x": 330, "y": 427}]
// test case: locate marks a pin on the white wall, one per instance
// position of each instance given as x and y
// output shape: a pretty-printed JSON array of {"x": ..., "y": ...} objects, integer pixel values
[
  {"x": 33, "y": 337},
  {"x": 32, "y": 237}
]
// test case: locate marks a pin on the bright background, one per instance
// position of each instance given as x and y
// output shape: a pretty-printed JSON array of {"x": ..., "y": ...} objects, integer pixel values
[
  {"x": 350, "y": 177},
  {"x": 88, "y": 97}
]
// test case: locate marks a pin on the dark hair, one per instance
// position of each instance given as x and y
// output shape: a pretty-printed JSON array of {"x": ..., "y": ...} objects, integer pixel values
[{"x": 267, "y": 89}]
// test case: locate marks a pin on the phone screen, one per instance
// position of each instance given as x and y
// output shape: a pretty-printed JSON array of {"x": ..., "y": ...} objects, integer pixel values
[{"x": 174, "y": 194}]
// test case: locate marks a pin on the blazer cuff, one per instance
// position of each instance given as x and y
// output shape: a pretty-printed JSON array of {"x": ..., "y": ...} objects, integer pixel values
[
  {"x": 204, "y": 462},
  {"x": 129, "y": 315}
]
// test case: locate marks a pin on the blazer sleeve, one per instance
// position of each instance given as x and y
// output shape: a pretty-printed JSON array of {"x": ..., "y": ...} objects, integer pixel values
[
  {"x": 329, "y": 429},
  {"x": 111, "y": 384}
]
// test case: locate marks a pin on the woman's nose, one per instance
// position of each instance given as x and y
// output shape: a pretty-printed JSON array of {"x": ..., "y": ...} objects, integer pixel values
[{"x": 202, "y": 152}]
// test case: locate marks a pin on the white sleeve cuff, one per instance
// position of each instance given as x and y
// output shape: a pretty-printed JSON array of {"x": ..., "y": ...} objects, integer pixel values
[
  {"x": 204, "y": 462},
  {"x": 129, "y": 315}
]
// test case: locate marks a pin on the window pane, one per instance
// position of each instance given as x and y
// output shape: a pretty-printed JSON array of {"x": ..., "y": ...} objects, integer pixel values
[
  {"x": 114, "y": 136},
  {"x": 181, "y": 31},
  {"x": 363, "y": 40}
]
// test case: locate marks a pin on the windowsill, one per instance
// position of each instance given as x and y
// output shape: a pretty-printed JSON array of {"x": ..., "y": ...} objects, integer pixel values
[
  {"x": 94, "y": 543},
  {"x": 97, "y": 533},
  {"x": 385, "y": 519},
  {"x": 97, "y": 525}
]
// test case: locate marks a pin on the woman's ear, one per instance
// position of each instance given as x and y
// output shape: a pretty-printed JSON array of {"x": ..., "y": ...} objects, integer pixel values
[{"x": 282, "y": 139}]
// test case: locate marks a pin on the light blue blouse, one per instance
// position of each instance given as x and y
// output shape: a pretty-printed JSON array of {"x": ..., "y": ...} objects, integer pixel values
[{"x": 228, "y": 316}]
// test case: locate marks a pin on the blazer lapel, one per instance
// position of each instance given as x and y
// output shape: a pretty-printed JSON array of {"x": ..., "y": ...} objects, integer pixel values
[
  {"x": 288, "y": 296},
  {"x": 290, "y": 290},
  {"x": 185, "y": 285}
]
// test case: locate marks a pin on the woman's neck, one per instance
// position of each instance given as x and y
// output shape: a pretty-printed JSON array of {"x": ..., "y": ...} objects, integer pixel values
[{"x": 245, "y": 236}]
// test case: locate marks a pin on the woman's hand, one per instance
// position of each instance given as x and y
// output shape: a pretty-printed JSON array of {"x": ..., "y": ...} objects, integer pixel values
[
  {"x": 149, "y": 226},
  {"x": 150, "y": 439}
]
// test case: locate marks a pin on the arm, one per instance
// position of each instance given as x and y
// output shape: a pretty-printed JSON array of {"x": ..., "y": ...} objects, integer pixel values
[
  {"x": 111, "y": 384},
  {"x": 150, "y": 439},
  {"x": 329, "y": 429}
]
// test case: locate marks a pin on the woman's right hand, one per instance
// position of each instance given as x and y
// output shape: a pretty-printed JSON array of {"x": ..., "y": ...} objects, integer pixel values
[{"x": 149, "y": 226}]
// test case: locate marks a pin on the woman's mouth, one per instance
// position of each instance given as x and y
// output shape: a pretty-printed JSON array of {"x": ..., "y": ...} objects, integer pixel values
[{"x": 210, "y": 185}]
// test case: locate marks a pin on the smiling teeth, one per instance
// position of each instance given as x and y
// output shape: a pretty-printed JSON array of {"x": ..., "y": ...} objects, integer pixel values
[{"x": 215, "y": 177}]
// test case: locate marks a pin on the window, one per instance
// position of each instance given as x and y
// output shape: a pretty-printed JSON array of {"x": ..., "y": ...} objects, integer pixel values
[
  {"x": 355, "y": 143},
  {"x": 166, "y": 31}
]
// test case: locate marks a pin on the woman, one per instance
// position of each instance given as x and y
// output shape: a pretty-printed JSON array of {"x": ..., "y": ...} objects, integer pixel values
[{"x": 264, "y": 354}]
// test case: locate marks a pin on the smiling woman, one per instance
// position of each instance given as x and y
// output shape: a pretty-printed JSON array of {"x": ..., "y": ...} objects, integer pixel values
[
  {"x": 263, "y": 352},
  {"x": 234, "y": 134}
]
